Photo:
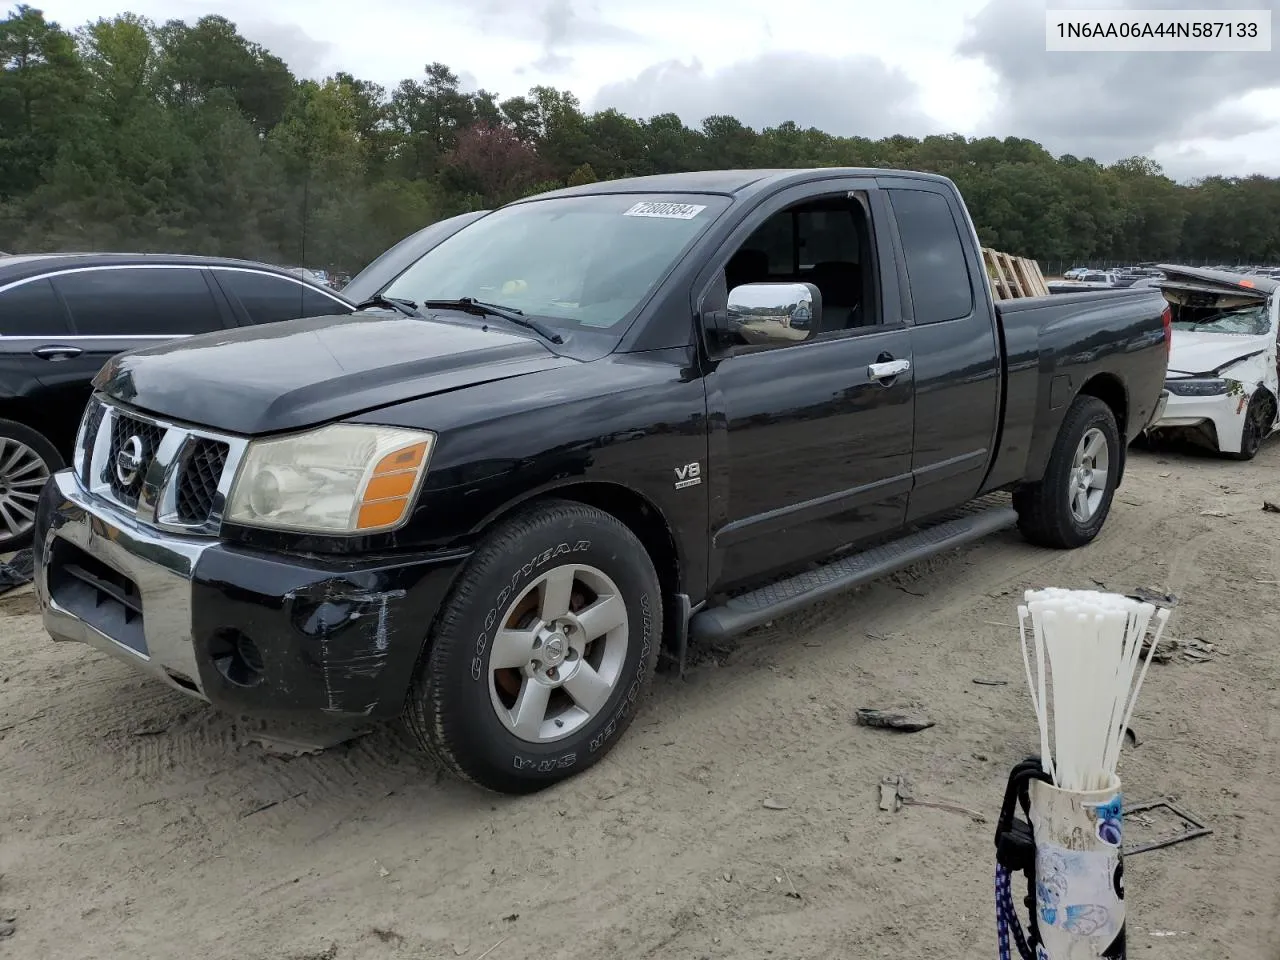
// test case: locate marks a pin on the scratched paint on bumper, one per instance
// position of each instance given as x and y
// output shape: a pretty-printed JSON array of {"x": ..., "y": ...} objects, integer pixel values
[{"x": 337, "y": 638}]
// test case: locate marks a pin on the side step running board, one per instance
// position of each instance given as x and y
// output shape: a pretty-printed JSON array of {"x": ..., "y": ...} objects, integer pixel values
[{"x": 749, "y": 610}]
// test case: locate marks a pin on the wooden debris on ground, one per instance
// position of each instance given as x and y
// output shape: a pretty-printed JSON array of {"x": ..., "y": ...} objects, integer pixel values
[
  {"x": 896, "y": 792},
  {"x": 1155, "y": 597},
  {"x": 902, "y": 721},
  {"x": 1194, "y": 650}
]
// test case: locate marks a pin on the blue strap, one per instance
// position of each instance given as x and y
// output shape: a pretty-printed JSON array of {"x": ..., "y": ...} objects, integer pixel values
[{"x": 1007, "y": 919}]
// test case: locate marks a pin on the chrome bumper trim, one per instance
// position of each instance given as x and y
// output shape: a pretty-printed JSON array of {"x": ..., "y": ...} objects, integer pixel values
[{"x": 160, "y": 564}]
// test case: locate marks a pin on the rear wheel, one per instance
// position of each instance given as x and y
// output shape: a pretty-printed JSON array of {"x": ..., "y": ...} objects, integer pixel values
[
  {"x": 27, "y": 460},
  {"x": 1068, "y": 507},
  {"x": 541, "y": 652},
  {"x": 1257, "y": 424}
]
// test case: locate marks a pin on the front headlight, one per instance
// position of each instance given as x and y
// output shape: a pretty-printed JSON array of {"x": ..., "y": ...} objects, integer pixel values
[
  {"x": 341, "y": 479},
  {"x": 1197, "y": 387}
]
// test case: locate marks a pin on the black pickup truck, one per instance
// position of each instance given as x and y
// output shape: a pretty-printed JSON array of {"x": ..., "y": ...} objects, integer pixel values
[{"x": 578, "y": 432}]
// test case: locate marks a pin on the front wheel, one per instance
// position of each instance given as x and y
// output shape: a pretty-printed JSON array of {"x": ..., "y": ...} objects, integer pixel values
[
  {"x": 1068, "y": 507},
  {"x": 541, "y": 651}
]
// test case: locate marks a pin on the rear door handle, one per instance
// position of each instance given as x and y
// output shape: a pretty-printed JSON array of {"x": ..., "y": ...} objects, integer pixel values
[
  {"x": 888, "y": 369},
  {"x": 57, "y": 351}
]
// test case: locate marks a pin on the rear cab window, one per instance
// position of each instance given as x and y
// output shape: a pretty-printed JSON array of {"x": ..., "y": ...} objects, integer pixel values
[
  {"x": 139, "y": 301},
  {"x": 32, "y": 309}
]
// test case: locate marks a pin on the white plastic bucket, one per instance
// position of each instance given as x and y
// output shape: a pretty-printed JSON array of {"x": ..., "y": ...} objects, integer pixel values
[{"x": 1079, "y": 871}]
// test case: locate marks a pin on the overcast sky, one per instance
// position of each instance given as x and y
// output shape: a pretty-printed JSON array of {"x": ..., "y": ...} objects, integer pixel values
[{"x": 976, "y": 67}]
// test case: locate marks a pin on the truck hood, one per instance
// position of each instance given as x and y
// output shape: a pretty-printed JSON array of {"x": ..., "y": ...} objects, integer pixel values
[
  {"x": 1194, "y": 351},
  {"x": 283, "y": 376}
]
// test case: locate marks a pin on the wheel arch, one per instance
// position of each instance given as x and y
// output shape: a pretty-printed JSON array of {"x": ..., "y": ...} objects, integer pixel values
[
  {"x": 1111, "y": 390},
  {"x": 1270, "y": 396},
  {"x": 45, "y": 420},
  {"x": 638, "y": 514}
]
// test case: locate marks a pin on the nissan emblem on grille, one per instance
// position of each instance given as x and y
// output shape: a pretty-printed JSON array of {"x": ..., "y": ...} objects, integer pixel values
[{"x": 129, "y": 460}]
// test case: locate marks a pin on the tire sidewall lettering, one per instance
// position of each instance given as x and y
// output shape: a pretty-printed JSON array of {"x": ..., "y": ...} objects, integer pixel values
[{"x": 637, "y": 682}]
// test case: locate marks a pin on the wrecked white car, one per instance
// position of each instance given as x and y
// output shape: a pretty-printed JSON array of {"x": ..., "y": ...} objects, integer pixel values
[{"x": 1222, "y": 378}]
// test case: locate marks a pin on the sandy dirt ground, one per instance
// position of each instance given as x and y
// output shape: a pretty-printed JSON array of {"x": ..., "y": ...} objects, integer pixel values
[{"x": 135, "y": 823}]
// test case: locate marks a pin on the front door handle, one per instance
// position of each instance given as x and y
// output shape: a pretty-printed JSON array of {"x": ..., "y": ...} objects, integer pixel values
[
  {"x": 57, "y": 351},
  {"x": 888, "y": 369}
]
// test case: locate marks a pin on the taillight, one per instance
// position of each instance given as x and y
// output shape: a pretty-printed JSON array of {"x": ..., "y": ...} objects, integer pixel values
[{"x": 1166, "y": 320}]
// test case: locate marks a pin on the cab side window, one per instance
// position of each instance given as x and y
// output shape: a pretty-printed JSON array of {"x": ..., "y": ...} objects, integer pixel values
[
  {"x": 941, "y": 288},
  {"x": 825, "y": 242}
]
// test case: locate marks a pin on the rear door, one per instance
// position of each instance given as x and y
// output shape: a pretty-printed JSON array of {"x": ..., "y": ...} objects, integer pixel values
[
  {"x": 35, "y": 333},
  {"x": 953, "y": 346},
  {"x": 118, "y": 308},
  {"x": 257, "y": 296}
]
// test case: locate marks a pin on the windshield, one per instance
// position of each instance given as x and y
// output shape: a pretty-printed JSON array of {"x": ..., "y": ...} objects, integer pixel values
[
  {"x": 1252, "y": 321},
  {"x": 577, "y": 262}
]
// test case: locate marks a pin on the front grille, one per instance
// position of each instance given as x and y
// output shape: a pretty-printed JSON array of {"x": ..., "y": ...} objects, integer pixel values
[
  {"x": 188, "y": 469},
  {"x": 198, "y": 480},
  {"x": 123, "y": 429}
]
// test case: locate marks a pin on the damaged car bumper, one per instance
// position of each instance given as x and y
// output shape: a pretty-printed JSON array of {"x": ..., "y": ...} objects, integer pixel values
[
  {"x": 1219, "y": 415},
  {"x": 251, "y": 633}
]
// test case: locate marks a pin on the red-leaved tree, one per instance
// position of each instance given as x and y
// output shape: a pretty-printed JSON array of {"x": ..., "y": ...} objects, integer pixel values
[{"x": 492, "y": 161}]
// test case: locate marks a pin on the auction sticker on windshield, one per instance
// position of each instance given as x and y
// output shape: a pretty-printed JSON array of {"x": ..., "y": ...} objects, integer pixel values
[{"x": 665, "y": 211}]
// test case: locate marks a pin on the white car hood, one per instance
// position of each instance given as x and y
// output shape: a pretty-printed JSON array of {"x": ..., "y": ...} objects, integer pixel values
[{"x": 1199, "y": 352}]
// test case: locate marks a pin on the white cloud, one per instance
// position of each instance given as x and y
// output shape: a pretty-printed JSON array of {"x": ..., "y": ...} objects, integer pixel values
[{"x": 914, "y": 66}]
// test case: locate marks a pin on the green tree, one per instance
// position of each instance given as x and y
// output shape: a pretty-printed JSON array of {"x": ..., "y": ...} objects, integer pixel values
[
  {"x": 190, "y": 137},
  {"x": 42, "y": 90}
]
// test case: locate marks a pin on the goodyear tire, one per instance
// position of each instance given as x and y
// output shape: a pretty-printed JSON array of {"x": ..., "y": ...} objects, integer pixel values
[
  {"x": 1068, "y": 507},
  {"x": 542, "y": 651}
]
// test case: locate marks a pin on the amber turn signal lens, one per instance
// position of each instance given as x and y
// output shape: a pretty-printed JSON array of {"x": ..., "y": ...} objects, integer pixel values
[
  {"x": 390, "y": 485},
  {"x": 406, "y": 458},
  {"x": 381, "y": 513},
  {"x": 386, "y": 495}
]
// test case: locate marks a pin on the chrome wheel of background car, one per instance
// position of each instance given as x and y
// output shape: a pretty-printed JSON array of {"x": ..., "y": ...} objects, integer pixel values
[
  {"x": 23, "y": 473},
  {"x": 558, "y": 654},
  {"x": 1090, "y": 468}
]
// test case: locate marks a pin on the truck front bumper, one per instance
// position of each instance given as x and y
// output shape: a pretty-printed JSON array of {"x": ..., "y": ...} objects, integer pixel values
[{"x": 250, "y": 632}]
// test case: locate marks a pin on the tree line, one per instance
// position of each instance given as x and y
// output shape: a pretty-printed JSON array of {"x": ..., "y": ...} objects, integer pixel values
[{"x": 124, "y": 134}]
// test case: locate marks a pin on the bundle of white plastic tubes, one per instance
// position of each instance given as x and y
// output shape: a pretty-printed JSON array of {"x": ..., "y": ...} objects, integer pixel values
[
  {"x": 1086, "y": 647},
  {"x": 1082, "y": 651}
]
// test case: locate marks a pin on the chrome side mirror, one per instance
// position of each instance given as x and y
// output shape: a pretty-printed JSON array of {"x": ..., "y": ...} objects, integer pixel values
[{"x": 774, "y": 313}]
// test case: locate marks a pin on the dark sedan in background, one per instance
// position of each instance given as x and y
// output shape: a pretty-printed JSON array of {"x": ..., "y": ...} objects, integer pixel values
[{"x": 62, "y": 316}]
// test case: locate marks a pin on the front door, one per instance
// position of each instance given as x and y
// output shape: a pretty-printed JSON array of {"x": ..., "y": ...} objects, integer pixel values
[{"x": 811, "y": 450}]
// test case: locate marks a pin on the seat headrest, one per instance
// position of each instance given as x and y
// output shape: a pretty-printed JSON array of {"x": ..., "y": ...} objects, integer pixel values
[{"x": 746, "y": 266}]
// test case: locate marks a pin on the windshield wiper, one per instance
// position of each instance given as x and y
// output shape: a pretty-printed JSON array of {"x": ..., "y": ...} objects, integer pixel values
[
  {"x": 510, "y": 314},
  {"x": 407, "y": 307}
]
